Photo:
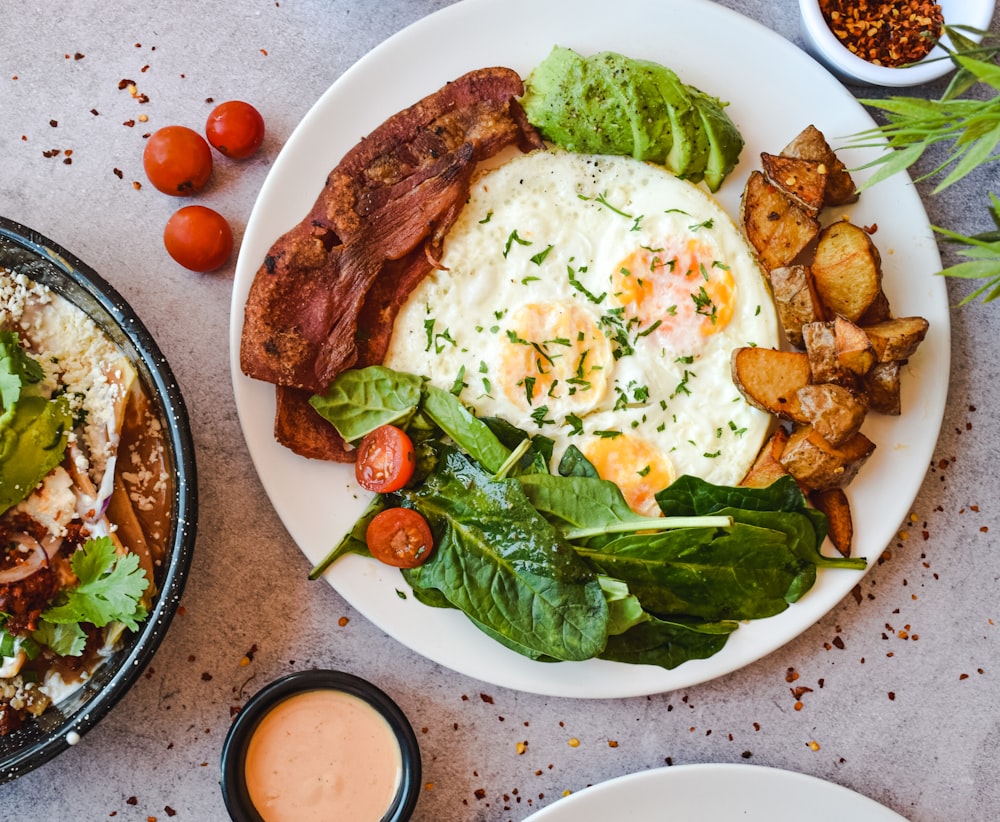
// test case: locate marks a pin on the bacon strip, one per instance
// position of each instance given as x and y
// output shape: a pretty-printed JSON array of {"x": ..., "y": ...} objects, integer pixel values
[
  {"x": 375, "y": 229},
  {"x": 399, "y": 188}
]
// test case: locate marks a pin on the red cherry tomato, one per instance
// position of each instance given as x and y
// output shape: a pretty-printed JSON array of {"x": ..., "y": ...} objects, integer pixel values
[
  {"x": 198, "y": 238},
  {"x": 177, "y": 161},
  {"x": 236, "y": 129},
  {"x": 400, "y": 537},
  {"x": 385, "y": 459}
]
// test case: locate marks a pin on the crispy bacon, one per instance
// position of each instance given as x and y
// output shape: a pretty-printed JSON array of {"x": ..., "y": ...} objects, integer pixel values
[{"x": 326, "y": 295}]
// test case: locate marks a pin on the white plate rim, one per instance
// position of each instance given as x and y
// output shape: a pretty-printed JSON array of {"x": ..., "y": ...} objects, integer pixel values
[{"x": 301, "y": 490}]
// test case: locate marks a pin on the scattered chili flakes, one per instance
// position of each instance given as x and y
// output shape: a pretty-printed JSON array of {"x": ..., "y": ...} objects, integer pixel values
[
  {"x": 612, "y": 743},
  {"x": 521, "y": 747},
  {"x": 885, "y": 34},
  {"x": 342, "y": 622},
  {"x": 54, "y": 123},
  {"x": 479, "y": 793},
  {"x": 486, "y": 698}
]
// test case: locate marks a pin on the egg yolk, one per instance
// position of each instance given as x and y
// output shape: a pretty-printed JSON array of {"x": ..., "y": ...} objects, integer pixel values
[
  {"x": 635, "y": 466},
  {"x": 680, "y": 291},
  {"x": 554, "y": 355}
]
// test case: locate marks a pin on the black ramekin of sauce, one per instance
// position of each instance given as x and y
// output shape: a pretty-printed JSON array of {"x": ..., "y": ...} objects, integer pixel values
[{"x": 318, "y": 745}]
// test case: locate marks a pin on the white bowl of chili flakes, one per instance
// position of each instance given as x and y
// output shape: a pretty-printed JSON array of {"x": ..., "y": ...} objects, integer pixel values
[{"x": 892, "y": 44}]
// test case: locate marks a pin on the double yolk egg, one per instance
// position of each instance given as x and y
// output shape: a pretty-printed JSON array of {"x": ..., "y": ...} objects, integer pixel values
[{"x": 595, "y": 300}]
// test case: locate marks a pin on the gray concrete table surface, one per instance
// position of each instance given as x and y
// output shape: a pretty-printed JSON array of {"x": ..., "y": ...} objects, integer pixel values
[{"x": 901, "y": 683}]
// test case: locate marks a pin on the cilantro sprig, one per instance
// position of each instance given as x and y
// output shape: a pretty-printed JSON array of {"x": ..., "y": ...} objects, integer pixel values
[{"x": 110, "y": 589}]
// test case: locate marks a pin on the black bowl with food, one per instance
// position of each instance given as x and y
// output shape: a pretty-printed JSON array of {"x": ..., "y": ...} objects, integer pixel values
[{"x": 98, "y": 498}]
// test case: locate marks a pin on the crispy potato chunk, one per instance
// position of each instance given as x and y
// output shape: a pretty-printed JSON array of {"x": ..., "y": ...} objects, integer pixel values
[
  {"x": 821, "y": 348},
  {"x": 796, "y": 300},
  {"x": 804, "y": 181},
  {"x": 777, "y": 228},
  {"x": 810, "y": 144},
  {"x": 767, "y": 468},
  {"x": 882, "y": 388},
  {"x": 854, "y": 349},
  {"x": 898, "y": 338},
  {"x": 769, "y": 379},
  {"x": 834, "y": 503},
  {"x": 834, "y": 411},
  {"x": 847, "y": 269},
  {"x": 818, "y": 465}
]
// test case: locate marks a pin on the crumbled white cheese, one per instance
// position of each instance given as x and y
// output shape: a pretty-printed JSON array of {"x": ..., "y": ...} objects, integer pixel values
[{"x": 53, "y": 503}]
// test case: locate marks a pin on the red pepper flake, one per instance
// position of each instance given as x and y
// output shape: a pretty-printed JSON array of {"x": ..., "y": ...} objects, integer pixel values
[
  {"x": 480, "y": 793},
  {"x": 132, "y": 800},
  {"x": 890, "y": 34},
  {"x": 892, "y": 696},
  {"x": 486, "y": 698},
  {"x": 54, "y": 123},
  {"x": 206, "y": 677},
  {"x": 963, "y": 676},
  {"x": 613, "y": 743},
  {"x": 169, "y": 811},
  {"x": 264, "y": 52}
]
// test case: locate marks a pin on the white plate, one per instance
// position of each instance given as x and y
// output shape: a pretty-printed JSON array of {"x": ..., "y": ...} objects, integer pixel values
[
  {"x": 716, "y": 793},
  {"x": 774, "y": 91}
]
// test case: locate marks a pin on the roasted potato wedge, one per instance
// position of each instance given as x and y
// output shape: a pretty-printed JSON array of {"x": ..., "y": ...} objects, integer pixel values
[
  {"x": 804, "y": 181},
  {"x": 834, "y": 503},
  {"x": 881, "y": 387},
  {"x": 767, "y": 468},
  {"x": 769, "y": 379},
  {"x": 777, "y": 228},
  {"x": 897, "y": 338},
  {"x": 796, "y": 299},
  {"x": 820, "y": 342},
  {"x": 834, "y": 411},
  {"x": 853, "y": 347},
  {"x": 810, "y": 144},
  {"x": 877, "y": 312},
  {"x": 818, "y": 465},
  {"x": 847, "y": 270}
]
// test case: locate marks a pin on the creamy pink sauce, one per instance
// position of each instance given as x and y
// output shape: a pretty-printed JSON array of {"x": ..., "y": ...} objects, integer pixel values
[{"x": 323, "y": 755}]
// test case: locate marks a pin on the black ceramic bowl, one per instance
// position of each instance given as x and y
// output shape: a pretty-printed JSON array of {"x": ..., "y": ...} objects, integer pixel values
[
  {"x": 38, "y": 740},
  {"x": 234, "y": 751}
]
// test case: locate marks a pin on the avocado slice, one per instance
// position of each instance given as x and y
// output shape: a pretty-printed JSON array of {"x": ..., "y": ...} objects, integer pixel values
[
  {"x": 32, "y": 443},
  {"x": 724, "y": 140},
  {"x": 641, "y": 105},
  {"x": 34, "y": 430}
]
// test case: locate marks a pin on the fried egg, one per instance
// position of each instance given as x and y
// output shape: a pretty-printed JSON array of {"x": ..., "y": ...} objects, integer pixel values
[{"x": 595, "y": 300}]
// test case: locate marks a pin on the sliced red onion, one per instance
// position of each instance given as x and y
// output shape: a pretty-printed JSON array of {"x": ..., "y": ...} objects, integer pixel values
[{"x": 35, "y": 560}]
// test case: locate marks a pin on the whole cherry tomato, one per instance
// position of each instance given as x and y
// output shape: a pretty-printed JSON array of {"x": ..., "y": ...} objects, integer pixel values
[
  {"x": 177, "y": 161},
  {"x": 385, "y": 459},
  {"x": 400, "y": 537},
  {"x": 198, "y": 238},
  {"x": 236, "y": 129}
]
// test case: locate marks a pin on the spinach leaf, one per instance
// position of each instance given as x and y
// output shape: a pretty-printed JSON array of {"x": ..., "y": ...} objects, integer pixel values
[
  {"x": 668, "y": 644},
  {"x": 362, "y": 399},
  {"x": 742, "y": 572},
  {"x": 501, "y": 563},
  {"x": 468, "y": 431},
  {"x": 354, "y": 541},
  {"x": 691, "y": 496},
  {"x": 624, "y": 608},
  {"x": 590, "y": 511}
]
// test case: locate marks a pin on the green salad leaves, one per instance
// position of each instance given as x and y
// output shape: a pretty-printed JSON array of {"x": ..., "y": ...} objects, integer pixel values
[
  {"x": 109, "y": 590},
  {"x": 556, "y": 566}
]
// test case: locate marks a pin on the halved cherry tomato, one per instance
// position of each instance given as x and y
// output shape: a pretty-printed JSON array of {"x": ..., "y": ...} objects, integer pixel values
[
  {"x": 198, "y": 238},
  {"x": 385, "y": 459},
  {"x": 235, "y": 129},
  {"x": 177, "y": 161},
  {"x": 400, "y": 537}
]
